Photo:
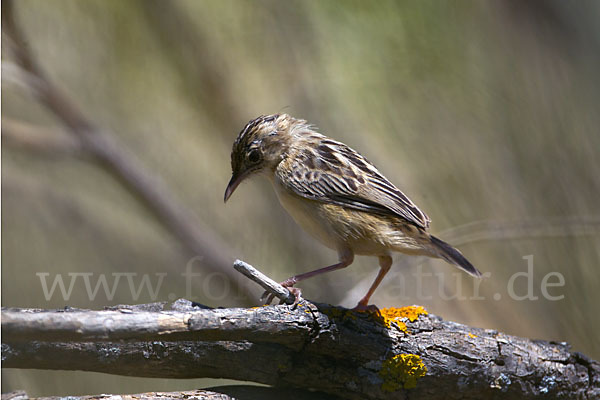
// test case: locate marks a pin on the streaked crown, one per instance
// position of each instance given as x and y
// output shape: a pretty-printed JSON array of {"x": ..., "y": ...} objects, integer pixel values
[
  {"x": 262, "y": 142},
  {"x": 260, "y": 145}
]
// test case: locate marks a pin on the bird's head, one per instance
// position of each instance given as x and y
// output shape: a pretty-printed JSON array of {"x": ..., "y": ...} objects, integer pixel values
[{"x": 260, "y": 146}]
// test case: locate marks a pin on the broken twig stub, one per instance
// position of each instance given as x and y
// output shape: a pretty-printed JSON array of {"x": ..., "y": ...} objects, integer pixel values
[{"x": 267, "y": 283}]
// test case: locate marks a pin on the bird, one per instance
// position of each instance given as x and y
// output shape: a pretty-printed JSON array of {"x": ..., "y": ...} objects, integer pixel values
[{"x": 337, "y": 196}]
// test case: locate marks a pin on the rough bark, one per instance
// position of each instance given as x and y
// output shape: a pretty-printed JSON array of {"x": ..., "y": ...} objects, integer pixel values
[
  {"x": 314, "y": 346},
  {"x": 245, "y": 392}
]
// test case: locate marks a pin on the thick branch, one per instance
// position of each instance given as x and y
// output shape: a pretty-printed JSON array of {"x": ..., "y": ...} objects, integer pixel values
[
  {"x": 311, "y": 346},
  {"x": 195, "y": 394},
  {"x": 247, "y": 392}
]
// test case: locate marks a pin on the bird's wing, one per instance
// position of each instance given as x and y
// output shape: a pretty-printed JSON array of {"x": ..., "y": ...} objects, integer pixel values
[{"x": 335, "y": 173}]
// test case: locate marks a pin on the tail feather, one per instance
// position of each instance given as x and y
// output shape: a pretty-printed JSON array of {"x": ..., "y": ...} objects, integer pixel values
[{"x": 453, "y": 256}]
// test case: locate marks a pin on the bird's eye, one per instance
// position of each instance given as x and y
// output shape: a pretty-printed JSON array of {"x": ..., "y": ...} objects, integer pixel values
[{"x": 254, "y": 156}]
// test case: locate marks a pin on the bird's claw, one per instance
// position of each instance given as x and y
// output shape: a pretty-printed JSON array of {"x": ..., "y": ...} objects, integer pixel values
[
  {"x": 297, "y": 294},
  {"x": 267, "y": 297}
]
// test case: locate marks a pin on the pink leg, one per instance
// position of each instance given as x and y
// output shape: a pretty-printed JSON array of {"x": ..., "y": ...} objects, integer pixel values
[
  {"x": 385, "y": 262},
  {"x": 346, "y": 258}
]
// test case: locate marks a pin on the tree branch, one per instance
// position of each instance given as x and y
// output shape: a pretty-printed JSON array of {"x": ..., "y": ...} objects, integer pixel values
[
  {"x": 247, "y": 392},
  {"x": 331, "y": 349},
  {"x": 194, "y": 235},
  {"x": 198, "y": 62},
  {"x": 28, "y": 136},
  {"x": 282, "y": 293},
  {"x": 488, "y": 230}
]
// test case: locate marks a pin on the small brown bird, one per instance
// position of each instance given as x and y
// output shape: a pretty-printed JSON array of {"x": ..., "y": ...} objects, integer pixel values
[{"x": 336, "y": 195}]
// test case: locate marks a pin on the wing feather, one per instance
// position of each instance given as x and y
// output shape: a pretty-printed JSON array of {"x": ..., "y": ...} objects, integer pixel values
[{"x": 333, "y": 172}]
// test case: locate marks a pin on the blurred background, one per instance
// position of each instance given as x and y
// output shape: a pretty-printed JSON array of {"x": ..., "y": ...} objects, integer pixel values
[{"x": 484, "y": 113}]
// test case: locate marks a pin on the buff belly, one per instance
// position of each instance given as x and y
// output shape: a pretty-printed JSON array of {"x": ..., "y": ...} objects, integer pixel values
[{"x": 340, "y": 228}]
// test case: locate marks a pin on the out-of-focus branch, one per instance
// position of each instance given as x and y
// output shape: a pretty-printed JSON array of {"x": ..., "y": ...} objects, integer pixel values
[
  {"x": 193, "y": 234},
  {"x": 195, "y": 59},
  {"x": 39, "y": 139},
  {"x": 479, "y": 231}
]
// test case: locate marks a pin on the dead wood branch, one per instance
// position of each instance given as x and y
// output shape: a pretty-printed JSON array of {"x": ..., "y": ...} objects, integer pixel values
[
  {"x": 325, "y": 348},
  {"x": 282, "y": 293},
  {"x": 245, "y": 392}
]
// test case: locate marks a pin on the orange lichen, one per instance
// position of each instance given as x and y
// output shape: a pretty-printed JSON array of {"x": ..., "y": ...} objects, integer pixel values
[
  {"x": 401, "y": 371},
  {"x": 410, "y": 312},
  {"x": 395, "y": 315}
]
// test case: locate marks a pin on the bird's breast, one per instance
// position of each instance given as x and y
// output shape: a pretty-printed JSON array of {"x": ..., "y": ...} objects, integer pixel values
[
  {"x": 336, "y": 227},
  {"x": 309, "y": 215}
]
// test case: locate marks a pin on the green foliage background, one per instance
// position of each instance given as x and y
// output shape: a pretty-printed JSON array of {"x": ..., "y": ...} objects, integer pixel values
[{"x": 477, "y": 110}]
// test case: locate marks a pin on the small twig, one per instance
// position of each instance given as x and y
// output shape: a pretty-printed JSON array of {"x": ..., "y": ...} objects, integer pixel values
[{"x": 267, "y": 283}]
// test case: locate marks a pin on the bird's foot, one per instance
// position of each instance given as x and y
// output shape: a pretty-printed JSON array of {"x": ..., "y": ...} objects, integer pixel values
[
  {"x": 361, "y": 307},
  {"x": 289, "y": 283}
]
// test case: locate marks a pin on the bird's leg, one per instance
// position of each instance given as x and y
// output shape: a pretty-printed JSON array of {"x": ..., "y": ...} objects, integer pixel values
[
  {"x": 385, "y": 262},
  {"x": 346, "y": 258}
]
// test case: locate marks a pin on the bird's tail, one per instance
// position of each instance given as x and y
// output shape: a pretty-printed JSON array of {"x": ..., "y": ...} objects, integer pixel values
[{"x": 453, "y": 256}]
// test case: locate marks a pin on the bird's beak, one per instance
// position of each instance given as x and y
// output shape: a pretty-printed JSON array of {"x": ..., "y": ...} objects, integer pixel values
[{"x": 236, "y": 179}]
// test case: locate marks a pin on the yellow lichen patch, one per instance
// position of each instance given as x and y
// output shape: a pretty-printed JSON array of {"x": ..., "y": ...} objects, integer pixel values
[
  {"x": 410, "y": 312},
  {"x": 401, "y": 325},
  {"x": 393, "y": 314},
  {"x": 402, "y": 370},
  {"x": 339, "y": 313},
  {"x": 472, "y": 336}
]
